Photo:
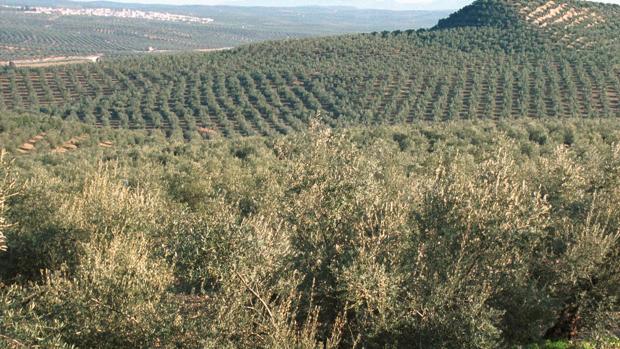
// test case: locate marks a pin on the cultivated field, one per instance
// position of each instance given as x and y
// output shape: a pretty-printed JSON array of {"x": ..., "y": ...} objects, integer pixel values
[
  {"x": 455, "y": 188},
  {"x": 25, "y": 35}
]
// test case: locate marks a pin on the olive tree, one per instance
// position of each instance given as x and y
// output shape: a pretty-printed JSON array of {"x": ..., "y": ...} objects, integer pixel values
[{"x": 7, "y": 187}]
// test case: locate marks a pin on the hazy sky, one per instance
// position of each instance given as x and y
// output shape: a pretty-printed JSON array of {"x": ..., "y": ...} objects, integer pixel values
[{"x": 385, "y": 4}]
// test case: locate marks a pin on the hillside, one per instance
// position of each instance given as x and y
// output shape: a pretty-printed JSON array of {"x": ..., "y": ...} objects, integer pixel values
[
  {"x": 455, "y": 71},
  {"x": 55, "y": 29},
  {"x": 572, "y": 23},
  {"x": 455, "y": 187}
]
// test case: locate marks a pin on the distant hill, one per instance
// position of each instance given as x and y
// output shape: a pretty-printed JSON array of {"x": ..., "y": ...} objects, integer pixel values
[
  {"x": 26, "y": 36},
  {"x": 491, "y": 60},
  {"x": 392, "y": 5},
  {"x": 579, "y": 24}
]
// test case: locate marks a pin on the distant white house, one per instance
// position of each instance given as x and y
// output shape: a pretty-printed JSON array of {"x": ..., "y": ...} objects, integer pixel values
[{"x": 119, "y": 13}]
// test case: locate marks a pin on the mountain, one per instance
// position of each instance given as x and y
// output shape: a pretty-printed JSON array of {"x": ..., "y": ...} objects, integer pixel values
[{"x": 491, "y": 60}]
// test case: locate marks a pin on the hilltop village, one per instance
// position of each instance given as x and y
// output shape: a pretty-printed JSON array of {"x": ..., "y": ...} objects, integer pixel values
[{"x": 119, "y": 13}]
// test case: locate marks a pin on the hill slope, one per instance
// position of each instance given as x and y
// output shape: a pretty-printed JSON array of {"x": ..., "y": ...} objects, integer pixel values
[
  {"x": 452, "y": 72},
  {"x": 25, "y": 35},
  {"x": 573, "y": 23}
]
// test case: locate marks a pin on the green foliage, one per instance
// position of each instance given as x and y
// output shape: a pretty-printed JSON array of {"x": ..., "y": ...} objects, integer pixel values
[
  {"x": 462, "y": 234},
  {"x": 569, "y": 345},
  {"x": 512, "y": 67},
  {"x": 7, "y": 190},
  {"x": 63, "y": 217},
  {"x": 483, "y": 13},
  {"x": 569, "y": 23},
  {"x": 20, "y": 326},
  {"x": 115, "y": 297},
  {"x": 473, "y": 235}
]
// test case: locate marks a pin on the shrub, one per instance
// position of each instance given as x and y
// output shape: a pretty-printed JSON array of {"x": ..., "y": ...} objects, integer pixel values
[
  {"x": 20, "y": 327},
  {"x": 7, "y": 189},
  {"x": 322, "y": 239},
  {"x": 116, "y": 297},
  {"x": 475, "y": 228},
  {"x": 54, "y": 219},
  {"x": 578, "y": 270}
]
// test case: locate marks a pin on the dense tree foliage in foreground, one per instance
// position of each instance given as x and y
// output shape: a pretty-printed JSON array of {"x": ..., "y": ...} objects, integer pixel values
[{"x": 466, "y": 234}]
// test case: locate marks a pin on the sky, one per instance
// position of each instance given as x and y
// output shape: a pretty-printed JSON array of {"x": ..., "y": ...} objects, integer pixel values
[{"x": 382, "y": 4}]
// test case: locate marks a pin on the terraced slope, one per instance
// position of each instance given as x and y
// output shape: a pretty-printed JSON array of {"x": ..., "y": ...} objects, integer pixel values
[
  {"x": 453, "y": 72},
  {"x": 572, "y": 23}
]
